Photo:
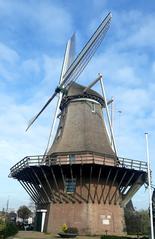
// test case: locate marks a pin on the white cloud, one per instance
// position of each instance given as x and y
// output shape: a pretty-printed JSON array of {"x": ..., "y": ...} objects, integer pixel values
[
  {"x": 153, "y": 67},
  {"x": 48, "y": 19},
  {"x": 127, "y": 75},
  {"x": 134, "y": 100},
  {"x": 144, "y": 35},
  {"x": 9, "y": 58},
  {"x": 7, "y": 54},
  {"x": 31, "y": 66},
  {"x": 43, "y": 20},
  {"x": 52, "y": 69},
  {"x": 133, "y": 29},
  {"x": 99, "y": 3}
]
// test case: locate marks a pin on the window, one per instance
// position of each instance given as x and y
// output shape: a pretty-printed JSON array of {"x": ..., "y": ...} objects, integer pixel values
[
  {"x": 93, "y": 108},
  {"x": 59, "y": 132},
  {"x": 71, "y": 158},
  {"x": 70, "y": 185}
]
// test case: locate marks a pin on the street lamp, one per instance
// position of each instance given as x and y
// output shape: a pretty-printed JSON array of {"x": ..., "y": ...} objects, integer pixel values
[{"x": 149, "y": 185}]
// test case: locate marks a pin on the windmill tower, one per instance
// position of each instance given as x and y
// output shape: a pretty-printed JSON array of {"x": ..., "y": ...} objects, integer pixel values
[{"x": 80, "y": 180}]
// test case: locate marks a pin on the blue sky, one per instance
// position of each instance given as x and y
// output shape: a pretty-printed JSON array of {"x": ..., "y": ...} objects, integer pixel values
[{"x": 33, "y": 36}]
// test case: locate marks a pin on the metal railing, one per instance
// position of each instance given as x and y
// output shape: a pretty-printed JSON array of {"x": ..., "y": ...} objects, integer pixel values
[{"x": 87, "y": 158}]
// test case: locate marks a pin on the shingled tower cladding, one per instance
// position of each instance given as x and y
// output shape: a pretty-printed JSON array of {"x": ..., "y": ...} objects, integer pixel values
[
  {"x": 81, "y": 128},
  {"x": 81, "y": 182}
]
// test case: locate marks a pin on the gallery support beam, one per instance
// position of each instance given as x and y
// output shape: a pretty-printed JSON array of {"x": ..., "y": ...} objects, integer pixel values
[
  {"x": 29, "y": 182},
  {"x": 35, "y": 186},
  {"x": 28, "y": 191},
  {"x": 41, "y": 184},
  {"x": 98, "y": 181},
  {"x": 48, "y": 184},
  {"x": 105, "y": 183},
  {"x": 56, "y": 184},
  {"x": 117, "y": 188},
  {"x": 111, "y": 185},
  {"x": 133, "y": 189}
]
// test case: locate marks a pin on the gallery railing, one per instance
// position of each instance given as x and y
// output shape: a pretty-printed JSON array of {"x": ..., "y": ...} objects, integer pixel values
[{"x": 87, "y": 158}]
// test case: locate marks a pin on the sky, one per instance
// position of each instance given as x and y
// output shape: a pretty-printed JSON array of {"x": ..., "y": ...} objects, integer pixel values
[{"x": 33, "y": 36}]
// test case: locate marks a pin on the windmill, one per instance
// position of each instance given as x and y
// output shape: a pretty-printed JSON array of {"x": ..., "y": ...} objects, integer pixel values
[{"x": 80, "y": 180}]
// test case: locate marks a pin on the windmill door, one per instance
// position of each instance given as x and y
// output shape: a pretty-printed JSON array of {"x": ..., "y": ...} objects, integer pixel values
[{"x": 38, "y": 221}]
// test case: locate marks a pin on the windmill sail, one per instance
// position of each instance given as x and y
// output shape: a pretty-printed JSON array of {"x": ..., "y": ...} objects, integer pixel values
[
  {"x": 88, "y": 50},
  {"x": 81, "y": 60},
  {"x": 68, "y": 59}
]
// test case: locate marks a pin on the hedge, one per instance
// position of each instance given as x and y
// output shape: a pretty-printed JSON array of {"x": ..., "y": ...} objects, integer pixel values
[
  {"x": 9, "y": 229},
  {"x": 121, "y": 237}
]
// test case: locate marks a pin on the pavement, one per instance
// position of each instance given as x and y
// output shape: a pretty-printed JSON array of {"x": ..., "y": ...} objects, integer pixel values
[
  {"x": 31, "y": 235},
  {"x": 40, "y": 235}
]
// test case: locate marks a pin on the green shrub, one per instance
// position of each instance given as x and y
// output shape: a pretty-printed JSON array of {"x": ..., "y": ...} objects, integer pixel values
[
  {"x": 113, "y": 237},
  {"x": 9, "y": 229},
  {"x": 72, "y": 230},
  {"x": 2, "y": 227},
  {"x": 120, "y": 237}
]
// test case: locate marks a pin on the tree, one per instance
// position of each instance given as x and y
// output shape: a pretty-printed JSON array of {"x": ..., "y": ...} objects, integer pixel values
[
  {"x": 32, "y": 206},
  {"x": 137, "y": 222},
  {"x": 24, "y": 212}
]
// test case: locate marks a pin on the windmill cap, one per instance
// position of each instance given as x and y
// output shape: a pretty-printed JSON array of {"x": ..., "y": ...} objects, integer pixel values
[{"x": 77, "y": 89}]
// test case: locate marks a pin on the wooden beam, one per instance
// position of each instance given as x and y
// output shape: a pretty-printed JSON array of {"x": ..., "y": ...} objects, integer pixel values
[
  {"x": 34, "y": 192},
  {"x": 28, "y": 191},
  {"x": 49, "y": 186},
  {"x": 63, "y": 177},
  {"x": 81, "y": 180},
  {"x": 42, "y": 186},
  {"x": 72, "y": 177},
  {"x": 56, "y": 184},
  {"x": 73, "y": 197},
  {"x": 127, "y": 184},
  {"x": 57, "y": 197},
  {"x": 82, "y": 198},
  {"x": 63, "y": 180},
  {"x": 117, "y": 188},
  {"x": 132, "y": 190},
  {"x": 71, "y": 172},
  {"x": 66, "y": 197},
  {"x": 40, "y": 192},
  {"x": 35, "y": 186},
  {"x": 98, "y": 180},
  {"x": 90, "y": 178},
  {"x": 111, "y": 185},
  {"x": 106, "y": 182}
]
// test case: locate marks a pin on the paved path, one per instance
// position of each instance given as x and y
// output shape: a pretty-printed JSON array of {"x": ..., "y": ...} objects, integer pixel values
[
  {"x": 32, "y": 235},
  {"x": 40, "y": 235}
]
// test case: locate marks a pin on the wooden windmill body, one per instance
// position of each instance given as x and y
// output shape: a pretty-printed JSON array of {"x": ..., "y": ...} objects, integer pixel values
[{"x": 80, "y": 181}]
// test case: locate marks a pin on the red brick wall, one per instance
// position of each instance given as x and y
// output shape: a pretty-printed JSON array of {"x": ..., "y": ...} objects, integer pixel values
[{"x": 89, "y": 218}]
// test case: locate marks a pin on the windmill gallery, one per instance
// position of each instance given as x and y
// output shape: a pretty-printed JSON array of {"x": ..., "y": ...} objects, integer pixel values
[{"x": 80, "y": 180}]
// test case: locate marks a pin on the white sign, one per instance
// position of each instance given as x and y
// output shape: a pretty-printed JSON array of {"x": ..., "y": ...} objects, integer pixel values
[{"x": 105, "y": 222}]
